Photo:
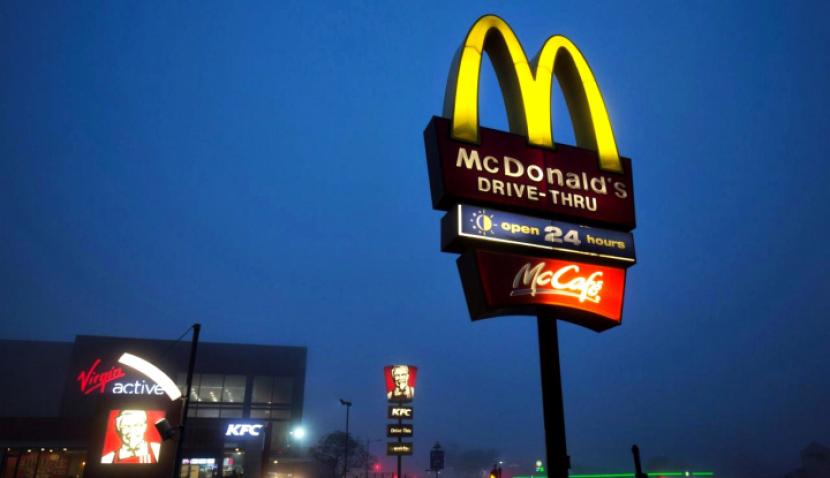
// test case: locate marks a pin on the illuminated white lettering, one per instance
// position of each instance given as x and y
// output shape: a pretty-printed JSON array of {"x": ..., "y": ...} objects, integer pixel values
[
  {"x": 491, "y": 169},
  {"x": 469, "y": 161},
  {"x": 532, "y": 278},
  {"x": 242, "y": 429},
  {"x": 535, "y": 173},
  {"x": 619, "y": 190},
  {"x": 517, "y": 170}
]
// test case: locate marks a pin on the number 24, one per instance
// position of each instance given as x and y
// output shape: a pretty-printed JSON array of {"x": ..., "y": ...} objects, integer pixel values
[{"x": 554, "y": 234}]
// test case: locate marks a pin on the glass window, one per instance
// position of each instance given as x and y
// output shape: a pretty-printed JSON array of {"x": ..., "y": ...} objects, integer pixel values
[
  {"x": 26, "y": 465},
  {"x": 283, "y": 388},
  {"x": 231, "y": 412},
  {"x": 11, "y": 464},
  {"x": 208, "y": 412},
  {"x": 210, "y": 388},
  {"x": 279, "y": 434},
  {"x": 261, "y": 392},
  {"x": 181, "y": 381},
  {"x": 260, "y": 413},
  {"x": 234, "y": 389}
]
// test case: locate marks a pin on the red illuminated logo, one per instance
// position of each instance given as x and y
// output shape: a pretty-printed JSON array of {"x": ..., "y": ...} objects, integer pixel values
[
  {"x": 506, "y": 284},
  {"x": 92, "y": 380},
  {"x": 400, "y": 382},
  {"x": 131, "y": 437}
]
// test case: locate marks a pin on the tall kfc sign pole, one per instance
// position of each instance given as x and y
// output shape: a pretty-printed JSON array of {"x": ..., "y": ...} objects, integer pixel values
[
  {"x": 543, "y": 228},
  {"x": 400, "y": 391}
]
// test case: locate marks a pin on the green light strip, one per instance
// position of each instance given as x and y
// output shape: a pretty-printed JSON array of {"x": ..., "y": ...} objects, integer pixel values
[{"x": 652, "y": 474}]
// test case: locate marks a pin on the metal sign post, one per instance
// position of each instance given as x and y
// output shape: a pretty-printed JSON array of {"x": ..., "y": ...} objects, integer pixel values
[{"x": 556, "y": 449}]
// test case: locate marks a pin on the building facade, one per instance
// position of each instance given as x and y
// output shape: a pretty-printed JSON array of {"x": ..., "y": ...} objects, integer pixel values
[{"x": 244, "y": 401}]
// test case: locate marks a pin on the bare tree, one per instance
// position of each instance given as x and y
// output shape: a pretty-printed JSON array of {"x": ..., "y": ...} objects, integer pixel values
[{"x": 330, "y": 450}]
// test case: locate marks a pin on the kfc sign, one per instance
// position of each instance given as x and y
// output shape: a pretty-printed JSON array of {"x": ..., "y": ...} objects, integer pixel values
[
  {"x": 393, "y": 430},
  {"x": 500, "y": 284},
  {"x": 243, "y": 429},
  {"x": 398, "y": 449},
  {"x": 400, "y": 412},
  {"x": 130, "y": 437},
  {"x": 400, "y": 382}
]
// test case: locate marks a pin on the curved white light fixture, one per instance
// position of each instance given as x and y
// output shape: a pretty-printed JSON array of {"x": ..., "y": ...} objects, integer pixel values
[{"x": 153, "y": 373}]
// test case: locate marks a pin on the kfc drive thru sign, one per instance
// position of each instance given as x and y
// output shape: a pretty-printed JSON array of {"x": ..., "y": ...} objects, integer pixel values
[{"x": 542, "y": 227}]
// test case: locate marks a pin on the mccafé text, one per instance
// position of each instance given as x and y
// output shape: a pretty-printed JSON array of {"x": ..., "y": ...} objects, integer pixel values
[{"x": 564, "y": 281}]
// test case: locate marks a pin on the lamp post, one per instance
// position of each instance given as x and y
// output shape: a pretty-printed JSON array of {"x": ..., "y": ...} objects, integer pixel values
[
  {"x": 348, "y": 405},
  {"x": 177, "y": 466}
]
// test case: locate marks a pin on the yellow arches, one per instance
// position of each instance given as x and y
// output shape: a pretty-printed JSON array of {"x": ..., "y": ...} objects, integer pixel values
[{"x": 527, "y": 90}]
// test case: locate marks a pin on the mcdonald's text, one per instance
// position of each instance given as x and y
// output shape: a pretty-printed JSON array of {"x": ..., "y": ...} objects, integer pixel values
[{"x": 504, "y": 171}]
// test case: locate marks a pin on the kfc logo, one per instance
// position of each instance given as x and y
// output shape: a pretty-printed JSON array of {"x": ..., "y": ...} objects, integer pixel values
[
  {"x": 130, "y": 439},
  {"x": 400, "y": 382},
  {"x": 402, "y": 413},
  {"x": 243, "y": 429}
]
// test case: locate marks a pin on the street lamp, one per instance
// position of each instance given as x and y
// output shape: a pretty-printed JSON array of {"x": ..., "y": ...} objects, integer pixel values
[
  {"x": 348, "y": 405},
  {"x": 298, "y": 433}
]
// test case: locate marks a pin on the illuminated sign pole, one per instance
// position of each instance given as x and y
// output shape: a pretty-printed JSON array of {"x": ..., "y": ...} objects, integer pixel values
[
  {"x": 543, "y": 228},
  {"x": 400, "y": 390}
]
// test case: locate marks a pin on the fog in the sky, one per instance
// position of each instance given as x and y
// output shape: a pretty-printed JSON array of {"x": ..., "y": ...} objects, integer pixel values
[{"x": 260, "y": 168}]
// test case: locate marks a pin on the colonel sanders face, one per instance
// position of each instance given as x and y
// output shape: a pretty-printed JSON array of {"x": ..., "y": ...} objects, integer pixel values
[
  {"x": 400, "y": 375},
  {"x": 131, "y": 426}
]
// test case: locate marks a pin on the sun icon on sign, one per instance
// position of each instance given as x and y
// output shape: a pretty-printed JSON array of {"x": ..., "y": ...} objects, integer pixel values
[{"x": 482, "y": 222}]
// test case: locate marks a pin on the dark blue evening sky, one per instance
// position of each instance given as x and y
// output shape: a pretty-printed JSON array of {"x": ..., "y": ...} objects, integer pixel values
[{"x": 259, "y": 168}]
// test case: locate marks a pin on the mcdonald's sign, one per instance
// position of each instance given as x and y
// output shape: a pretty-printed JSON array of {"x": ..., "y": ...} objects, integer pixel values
[
  {"x": 525, "y": 170},
  {"x": 553, "y": 197}
]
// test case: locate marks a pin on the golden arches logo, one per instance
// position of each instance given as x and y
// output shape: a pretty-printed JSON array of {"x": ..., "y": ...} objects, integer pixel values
[{"x": 527, "y": 90}]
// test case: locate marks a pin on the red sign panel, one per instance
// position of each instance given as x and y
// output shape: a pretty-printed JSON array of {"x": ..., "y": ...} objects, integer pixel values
[
  {"x": 504, "y": 171},
  {"x": 507, "y": 284},
  {"x": 400, "y": 382},
  {"x": 131, "y": 437}
]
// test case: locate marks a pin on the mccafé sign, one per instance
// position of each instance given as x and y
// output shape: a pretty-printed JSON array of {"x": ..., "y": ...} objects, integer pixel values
[
  {"x": 541, "y": 226},
  {"x": 499, "y": 284}
]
